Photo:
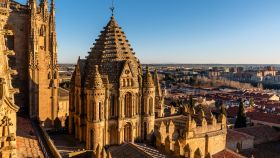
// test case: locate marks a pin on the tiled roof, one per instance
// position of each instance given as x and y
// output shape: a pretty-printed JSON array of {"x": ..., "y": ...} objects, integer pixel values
[
  {"x": 265, "y": 117},
  {"x": 126, "y": 151},
  {"x": 233, "y": 135},
  {"x": 227, "y": 154},
  {"x": 27, "y": 142},
  {"x": 261, "y": 133}
]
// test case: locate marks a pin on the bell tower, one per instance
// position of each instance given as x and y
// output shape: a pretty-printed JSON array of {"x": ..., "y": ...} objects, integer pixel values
[{"x": 43, "y": 70}]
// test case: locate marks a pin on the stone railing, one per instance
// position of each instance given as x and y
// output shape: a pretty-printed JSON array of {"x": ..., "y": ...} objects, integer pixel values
[{"x": 48, "y": 148}]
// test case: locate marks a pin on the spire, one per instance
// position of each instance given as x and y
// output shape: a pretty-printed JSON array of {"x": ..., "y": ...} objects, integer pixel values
[
  {"x": 44, "y": 7},
  {"x": 52, "y": 9},
  {"x": 33, "y": 6},
  {"x": 97, "y": 82},
  {"x": 148, "y": 80},
  {"x": 112, "y": 8},
  {"x": 157, "y": 84}
]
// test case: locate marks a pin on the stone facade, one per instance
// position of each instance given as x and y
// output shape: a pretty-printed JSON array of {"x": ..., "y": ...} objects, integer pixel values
[
  {"x": 113, "y": 102},
  {"x": 34, "y": 44},
  {"x": 191, "y": 135},
  {"x": 8, "y": 108}
]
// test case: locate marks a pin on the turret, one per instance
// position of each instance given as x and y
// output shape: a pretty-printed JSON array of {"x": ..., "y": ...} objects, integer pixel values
[
  {"x": 95, "y": 92},
  {"x": 148, "y": 104}
]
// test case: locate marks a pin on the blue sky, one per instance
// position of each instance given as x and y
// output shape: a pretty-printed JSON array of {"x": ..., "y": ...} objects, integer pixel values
[{"x": 176, "y": 31}]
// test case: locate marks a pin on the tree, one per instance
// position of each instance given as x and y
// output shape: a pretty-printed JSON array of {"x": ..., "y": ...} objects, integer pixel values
[{"x": 241, "y": 116}]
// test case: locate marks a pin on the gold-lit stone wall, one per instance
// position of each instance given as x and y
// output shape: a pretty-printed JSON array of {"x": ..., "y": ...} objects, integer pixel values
[
  {"x": 34, "y": 44},
  {"x": 8, "y": 108}
]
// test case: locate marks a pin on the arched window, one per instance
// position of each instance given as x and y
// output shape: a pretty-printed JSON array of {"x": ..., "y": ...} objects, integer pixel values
[
  {"x": 197, "y": 153},
  {"x": 187, "y": 151},
  {"x": 100, "y": 111},
  {"x": 43, "y": 30},
  {"x": 91, "y": 111},
  {"x": 113, "y": 108},
  {"x": 128, "y": 105},
  {"x": 151, "y": 106}
]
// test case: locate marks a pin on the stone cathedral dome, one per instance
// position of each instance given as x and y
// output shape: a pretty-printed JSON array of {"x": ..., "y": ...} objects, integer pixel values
[{"x": 111, "y": 52}]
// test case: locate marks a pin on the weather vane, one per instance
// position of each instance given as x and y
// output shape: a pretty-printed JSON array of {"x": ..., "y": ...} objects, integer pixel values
[{"x": 112, "y": 8}]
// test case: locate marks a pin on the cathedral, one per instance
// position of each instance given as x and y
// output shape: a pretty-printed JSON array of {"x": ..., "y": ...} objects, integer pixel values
[
  {"x": 33, "y": 40},
  {"x": 115, "y": 103}
]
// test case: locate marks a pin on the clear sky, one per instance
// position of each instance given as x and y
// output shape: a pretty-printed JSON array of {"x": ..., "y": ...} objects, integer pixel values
[{"x": 176, "y": 31}]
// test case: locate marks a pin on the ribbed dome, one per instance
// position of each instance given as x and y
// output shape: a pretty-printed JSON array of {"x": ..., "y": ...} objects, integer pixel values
[{"x": 110, "y": 52}]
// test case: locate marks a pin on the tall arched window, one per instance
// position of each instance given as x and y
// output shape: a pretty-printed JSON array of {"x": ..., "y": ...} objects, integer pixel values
[
  {"x": 100, "y": 111},
  {"x": 91, "y": 110},
  {"x": 113, "y": 108},
  {"x": 151, "y": 106},
  {"x": 128, "y": 105}
]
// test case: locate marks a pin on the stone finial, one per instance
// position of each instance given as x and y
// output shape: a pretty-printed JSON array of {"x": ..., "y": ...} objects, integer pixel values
[
  {"x": 171, "y": 129},
  {"x": 193, "y": 111},
  {"x": 162, "y": 128},
  {"x": 213, "y": 119},
  {"x": 223, "y": 121},
  {"x": 201, "y": 114},
  {"x": 97, "y": 80},
  {"x": 186, "y": 110},
  {"x": 172, "y": 110},
  {"x": 148, "y": 80}
]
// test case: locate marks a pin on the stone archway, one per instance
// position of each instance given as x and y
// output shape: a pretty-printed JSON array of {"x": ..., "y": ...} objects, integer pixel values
[{"x": 128, "y": 133}]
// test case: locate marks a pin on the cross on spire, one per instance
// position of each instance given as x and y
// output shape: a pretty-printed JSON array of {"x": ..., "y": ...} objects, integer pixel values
[{"x": 112, "y": 8}]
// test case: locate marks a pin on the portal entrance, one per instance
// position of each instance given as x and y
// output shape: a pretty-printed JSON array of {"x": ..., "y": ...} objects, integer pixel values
[{"x": 127, "y": 133}]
